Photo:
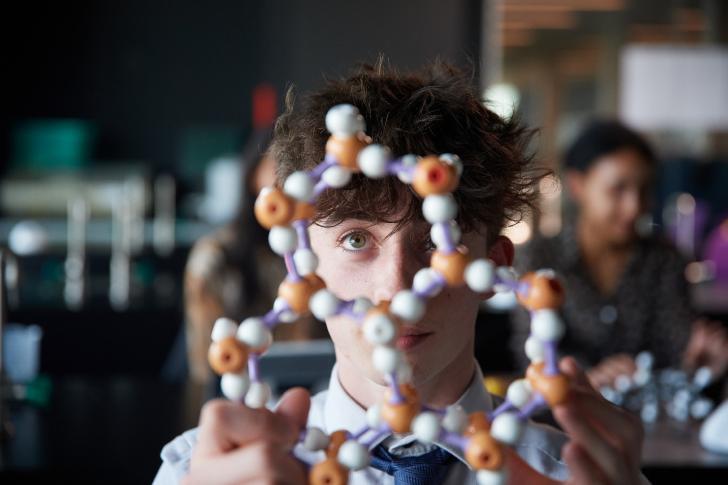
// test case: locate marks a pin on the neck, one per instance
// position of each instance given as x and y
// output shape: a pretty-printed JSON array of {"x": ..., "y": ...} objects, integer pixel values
[
  {"x": 436, "y": 391},
  {"x": 592, "y": 243}
]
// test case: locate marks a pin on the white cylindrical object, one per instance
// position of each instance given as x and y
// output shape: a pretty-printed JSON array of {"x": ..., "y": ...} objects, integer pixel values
[
  {"x": 407, "y": 306},
  {"x": 480, "y": 275},
  {"x": 286, "y": 316},
  {"x": 438, "y": 238},
  {"x": 299, "y": 185},
  {"x": 373, "y": 160},
  {"x": 408, "y": 163},
  {"x": 439, "y": 208},
  {"x": 223, "y": 328},
  {"x": 282, "y": 239},
  {"x": 362, "y": 305},
  {"x": 374, "y": 416}
]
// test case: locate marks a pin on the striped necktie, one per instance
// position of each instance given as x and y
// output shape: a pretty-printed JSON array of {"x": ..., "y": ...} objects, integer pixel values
[{"x": 427, "y": 469}]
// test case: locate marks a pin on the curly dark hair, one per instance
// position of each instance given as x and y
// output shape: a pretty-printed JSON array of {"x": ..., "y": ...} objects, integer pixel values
[{"x": 434, "y": 110}]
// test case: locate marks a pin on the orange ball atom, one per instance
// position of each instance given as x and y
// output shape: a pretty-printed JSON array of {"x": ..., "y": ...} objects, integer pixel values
[
  {"x": 554, "y": 389},
  {"x": 483, "y": 452},
  {"x": 336, "y": 439},
  {"x": 328, "y": 472},
  {"x": 451, "y": 266},
  {"x": 345, "y": 150},
  {"x": 399, "y": 416},
  {"x": 544, "y": 292},
  {"x": 228, "y": 355},
  {"x": 297, "y": 293},
  {"x": 477, "y": 422},
  {"x": 273, "y": 208},
  {"x": 434, "y": 176}
]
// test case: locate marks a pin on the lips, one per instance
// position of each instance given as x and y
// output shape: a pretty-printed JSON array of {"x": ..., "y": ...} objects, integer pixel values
[{"x": 409, "y": 338}]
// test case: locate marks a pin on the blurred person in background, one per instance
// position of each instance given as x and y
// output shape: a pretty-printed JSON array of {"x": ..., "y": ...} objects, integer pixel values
[
  {"x": 627, "y": 291},
  {"x": 234, "y": 273}
]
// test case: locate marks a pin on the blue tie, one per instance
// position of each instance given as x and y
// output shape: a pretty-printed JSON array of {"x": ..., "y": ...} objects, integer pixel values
[{"x": 427, "y": 469}]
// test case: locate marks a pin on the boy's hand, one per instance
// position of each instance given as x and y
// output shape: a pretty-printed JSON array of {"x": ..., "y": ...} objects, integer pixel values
[
  {"x": 708, "y": 346},
  {"x": 237, "y": 444},
  {"x": 605, "y": 441}
]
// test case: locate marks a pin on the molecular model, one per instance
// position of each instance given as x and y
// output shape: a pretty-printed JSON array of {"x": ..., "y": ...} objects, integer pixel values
[
  {"x": 287, "y": 213},
  {"x": 671, "y": 392}
]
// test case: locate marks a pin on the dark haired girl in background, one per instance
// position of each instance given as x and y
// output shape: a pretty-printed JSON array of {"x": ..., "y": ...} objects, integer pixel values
[{"x": 627, "y": 291}]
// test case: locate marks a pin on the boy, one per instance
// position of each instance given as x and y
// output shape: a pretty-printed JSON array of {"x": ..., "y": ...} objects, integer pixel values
[{"x": 371, "y": 240}]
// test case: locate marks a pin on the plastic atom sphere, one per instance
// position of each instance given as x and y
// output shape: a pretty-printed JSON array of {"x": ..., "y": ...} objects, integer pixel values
[{"x": 287, "y": 213}]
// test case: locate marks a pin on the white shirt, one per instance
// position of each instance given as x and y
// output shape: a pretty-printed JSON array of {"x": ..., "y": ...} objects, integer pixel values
[{"x": 334, "y": 409}]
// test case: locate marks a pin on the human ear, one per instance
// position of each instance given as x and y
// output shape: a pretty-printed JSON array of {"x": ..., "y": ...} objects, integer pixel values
[{"x": 502, "y": 252}]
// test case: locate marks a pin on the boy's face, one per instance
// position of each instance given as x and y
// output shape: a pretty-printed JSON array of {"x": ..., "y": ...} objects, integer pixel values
[{"x": 361, "y": 258}]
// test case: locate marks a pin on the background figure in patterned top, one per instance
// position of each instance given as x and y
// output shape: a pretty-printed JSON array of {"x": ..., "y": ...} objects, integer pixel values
[
  {"x": 627, "y": 292},
  {"x": 234, "y": 273}
]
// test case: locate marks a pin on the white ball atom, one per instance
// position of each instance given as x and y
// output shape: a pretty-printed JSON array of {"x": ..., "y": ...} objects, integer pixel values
[
  {"x": 234, "y": 386},
  {"x": 546, "y": 325},
  {"x": 424, "y": 282},
  {"x": 299, "y": 185},
  {"x": 519, "y": 392},
  {"x": 455, "y": 419},
  {"x": 362, "y": 305},
  {"x": 315, "y": 439},
  {"x": 379, "y": 329},
  {"x": 344, "y": 120},
  {"x": 286, "y": 316},
  {"x": 306, "y": 261},
  {"x": 534, "y": 350},
  {"x": 223, "y": 328},
  {"x": 492, "y": 477},
  {"x": 353, "y": 455},
  {"x": 253, "y": 333},
  {"x": 506, "y": 428},
  {"x": 426, "y": 427},
  {"x": 439, "y": 208},
  {"x": 373, "y": 161},
  {"x": 454, "y": 161},
  {"x": 386, "y": 359},
  {"x": 480, "y": 275},
  {"x": 407, "y": 306},
  {"x": 374, "y": 416},
  {"x": 323, "y": 304},
  {"x": 408, "y": 162},
  {"x": 258, "y": 395},
  {"x": 336, "y": 176},
  {"x": 438, "y": 238},
  {"x": 282, "y": 239}
]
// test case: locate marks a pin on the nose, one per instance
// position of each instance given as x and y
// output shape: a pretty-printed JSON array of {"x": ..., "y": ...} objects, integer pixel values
[{"x": 396, "y": 266}]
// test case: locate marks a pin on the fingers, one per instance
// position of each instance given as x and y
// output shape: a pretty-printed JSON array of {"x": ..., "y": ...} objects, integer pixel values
[
  {"x": 294, "y": 406},
  {"x": 520, "y": 472},
  {"x": 260, "y": 462},
  {"x": 601, "y": 452},
  {"x": 571, "y": 369},
  {"x": 582, "y": 469},
  {"x": 226, "y": 425}
]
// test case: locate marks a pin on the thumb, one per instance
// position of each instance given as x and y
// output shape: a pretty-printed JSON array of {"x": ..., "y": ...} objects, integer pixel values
[{"x": 294, "y": 406}]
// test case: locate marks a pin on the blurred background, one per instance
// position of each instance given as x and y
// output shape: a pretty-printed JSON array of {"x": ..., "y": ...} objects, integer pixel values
[{"x": 132, "y": 132}]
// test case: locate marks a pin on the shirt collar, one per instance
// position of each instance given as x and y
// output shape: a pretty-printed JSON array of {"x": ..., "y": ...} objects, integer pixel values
[{"x": 342, "y": 412}]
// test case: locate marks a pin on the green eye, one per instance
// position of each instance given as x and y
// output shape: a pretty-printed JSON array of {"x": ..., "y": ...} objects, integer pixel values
[{"x": 355, "y": 241}]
